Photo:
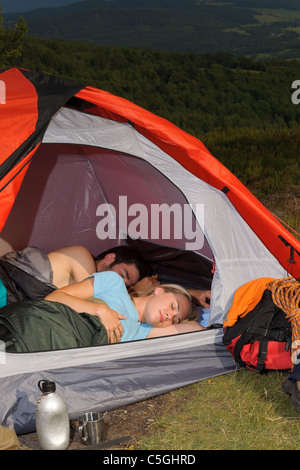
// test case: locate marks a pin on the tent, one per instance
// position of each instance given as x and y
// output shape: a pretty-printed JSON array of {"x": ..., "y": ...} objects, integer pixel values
[{"x": 82, "y": 166}]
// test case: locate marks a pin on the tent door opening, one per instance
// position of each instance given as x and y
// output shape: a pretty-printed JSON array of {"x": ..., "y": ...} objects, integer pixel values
[{"x": 100, "y": 198}]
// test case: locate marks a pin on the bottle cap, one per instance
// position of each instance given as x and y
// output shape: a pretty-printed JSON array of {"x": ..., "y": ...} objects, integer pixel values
[{"x": 46, "y": 386}]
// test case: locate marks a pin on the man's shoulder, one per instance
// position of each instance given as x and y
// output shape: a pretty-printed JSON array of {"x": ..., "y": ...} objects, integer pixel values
[
  {"x": 71, "y": 264},
  {"x": 78, "y": 250}
]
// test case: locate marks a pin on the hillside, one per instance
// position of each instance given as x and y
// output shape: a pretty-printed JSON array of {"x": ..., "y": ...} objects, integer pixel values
[
  {"x": 197, "y": 92},
  {"x": 240, "y": 108},
  {"x": 258, "y": 29}
]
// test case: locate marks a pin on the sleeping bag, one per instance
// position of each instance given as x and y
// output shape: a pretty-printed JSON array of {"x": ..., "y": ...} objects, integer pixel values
[{"x": 41, "y": 325}]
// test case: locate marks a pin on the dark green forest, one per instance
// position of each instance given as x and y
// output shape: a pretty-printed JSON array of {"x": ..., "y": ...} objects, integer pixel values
[
  {"x": 196, "y": 92},
  {"x": 240, "y": 108}
]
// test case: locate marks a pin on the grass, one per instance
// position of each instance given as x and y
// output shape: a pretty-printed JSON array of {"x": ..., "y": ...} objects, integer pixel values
[
  {"x": 269, "y": 16},
  {"x": 237, "y": 411},
  {"x": 286, "y": 206},
  {"x": 265, "y": 160},
  {"x": 242, "y": 410}
]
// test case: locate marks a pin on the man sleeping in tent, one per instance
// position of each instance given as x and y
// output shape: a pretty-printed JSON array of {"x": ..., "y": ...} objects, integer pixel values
[
  {"x": 31, "y": 274},
  {"x": 69, "y": 318}
]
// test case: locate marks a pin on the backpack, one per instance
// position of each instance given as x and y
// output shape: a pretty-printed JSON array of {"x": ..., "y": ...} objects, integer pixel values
[{"x": 261, "y": 339}]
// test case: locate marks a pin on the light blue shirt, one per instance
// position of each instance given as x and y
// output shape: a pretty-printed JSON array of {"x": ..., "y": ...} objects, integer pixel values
[{"x": 110, "y": 287}]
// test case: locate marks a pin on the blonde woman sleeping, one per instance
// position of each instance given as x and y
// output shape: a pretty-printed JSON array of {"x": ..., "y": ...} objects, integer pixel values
[{"x": 167, "y": 310}]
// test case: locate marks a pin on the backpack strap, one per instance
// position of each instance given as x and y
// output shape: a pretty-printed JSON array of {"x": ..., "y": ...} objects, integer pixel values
[{"x": 262, "y": 354}]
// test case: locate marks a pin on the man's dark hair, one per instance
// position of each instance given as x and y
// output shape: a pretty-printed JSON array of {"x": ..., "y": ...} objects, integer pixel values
[{"x": 124, "y": 254}]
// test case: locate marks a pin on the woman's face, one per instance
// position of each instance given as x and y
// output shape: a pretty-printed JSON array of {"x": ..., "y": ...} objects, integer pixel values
[{"x": 165, "y": 308}]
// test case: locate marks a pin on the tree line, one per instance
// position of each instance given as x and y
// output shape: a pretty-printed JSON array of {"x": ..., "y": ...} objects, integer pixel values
[
  {"x": 198, "y": 93},
  {"x": 240, "y": 108}
]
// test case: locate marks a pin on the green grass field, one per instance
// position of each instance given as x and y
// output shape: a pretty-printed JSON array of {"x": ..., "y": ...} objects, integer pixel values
[
  {"x": 238, "y": 411},
  {"x": 276, "y": 15}
]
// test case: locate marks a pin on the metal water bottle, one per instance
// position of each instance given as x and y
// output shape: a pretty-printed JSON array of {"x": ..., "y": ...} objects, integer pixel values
[{"x": 51, "y": 418}]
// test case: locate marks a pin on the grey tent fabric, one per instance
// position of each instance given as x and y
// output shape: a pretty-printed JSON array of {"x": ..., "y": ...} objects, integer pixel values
[{"x": 167, "y": 364}]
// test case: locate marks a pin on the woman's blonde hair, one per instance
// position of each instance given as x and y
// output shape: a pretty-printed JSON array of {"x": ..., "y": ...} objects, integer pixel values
[{"x": 193, "y": 314}]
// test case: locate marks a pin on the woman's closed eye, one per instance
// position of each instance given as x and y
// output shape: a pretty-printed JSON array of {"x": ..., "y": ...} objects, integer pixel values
[{"x": 175, "y": 307}]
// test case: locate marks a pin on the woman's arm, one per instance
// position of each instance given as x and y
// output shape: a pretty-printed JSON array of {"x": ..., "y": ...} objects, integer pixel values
[
  {"x": 184, "y": 327},
  {"x": 75, "y": 296}
]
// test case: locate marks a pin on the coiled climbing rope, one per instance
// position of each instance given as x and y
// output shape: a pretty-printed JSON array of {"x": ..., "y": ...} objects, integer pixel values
[{"x": 286, "y": 296}]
